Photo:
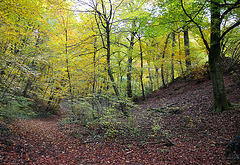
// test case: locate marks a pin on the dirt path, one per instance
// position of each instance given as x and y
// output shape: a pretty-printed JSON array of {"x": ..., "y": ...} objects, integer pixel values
[{"x": 40, "y": 141}]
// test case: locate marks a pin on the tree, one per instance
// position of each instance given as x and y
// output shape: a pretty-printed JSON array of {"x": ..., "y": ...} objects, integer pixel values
[
  {"x": 173, "y": 45},
  {"x": 187, "y": 49},
  {"x": 141, "y": 60},
  {"x": 104, "y": 15},
  {"x": 218, "y": 10}
]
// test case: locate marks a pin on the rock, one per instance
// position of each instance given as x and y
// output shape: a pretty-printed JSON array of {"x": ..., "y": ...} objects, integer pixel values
[{"x": 233, "y": 147}]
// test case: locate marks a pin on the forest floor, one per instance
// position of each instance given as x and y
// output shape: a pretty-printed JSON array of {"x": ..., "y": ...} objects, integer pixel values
[{"x": 174, "y": 125}]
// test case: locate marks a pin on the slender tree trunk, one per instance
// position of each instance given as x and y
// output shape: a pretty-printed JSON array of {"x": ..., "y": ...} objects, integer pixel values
[
  {"x": 94, "y": 67},
  {"x": 28, "y": 85},
  {"x": 94, "y": 78},
  {"x": 68, "y": 72},
  {"x": 179, "y": 48},
  {"x": 157, "y": 76},
  {"x": 129, "y": 77},
  {"x": 110, "y": 74},
  {"x": 104, "y": 20},
  {"x": 187, "y": 49},
  {"x": 220, "y": 102},
  {"x": 141, "y": 74},
  {"x": 163, "y": 56},
  {"x": 109, "y": 69},
  {"x": 130, "y": 59},
  {"x": 150, "y": 78},
  {"x": 173, "y": 47}
]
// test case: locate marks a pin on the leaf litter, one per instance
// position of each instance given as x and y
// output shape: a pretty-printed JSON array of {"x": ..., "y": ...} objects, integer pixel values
[{"x": 177, "y": 127}]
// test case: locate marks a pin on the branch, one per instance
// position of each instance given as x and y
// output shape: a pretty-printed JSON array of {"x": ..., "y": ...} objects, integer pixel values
[
  {"x": 228, "y": 4},
  {"x": 199, "y": 10},
  {"x": 121, "y": 44},
  {"x": 233, "y": 6},
  {"x": 111, "y": 11},
  {"x": 100, "y": 31},
  {"x": 199, "y": 27},
  {"x": 229, "y": 29},
  {"x": 114, "y": 11}
]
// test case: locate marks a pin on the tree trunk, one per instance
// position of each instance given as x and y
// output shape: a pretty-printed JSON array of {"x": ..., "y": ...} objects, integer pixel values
[
  {"x": 187, "y": 50},
  {"x": 179, "y": 48},
  {"x": 141, "y": 75},
  {"x": 157, "y": 76},
  {"x": 150, "y": 78},
  {"x": 173, "y": 45},
  {"x": 94, "y": 78},
  {"x": 122, "y": 105},
  {"x": 163, "y": 56},
  {"x": 129, "y": 77},
  {"x": 68, "y": 74},
  {"x": 28, "y": 85},
  {"x": 220, "y": 102},
  {"x": 130, "y": 59},
  {"x": 109, "y": 70},
  {"x": 162, "y": 76}
]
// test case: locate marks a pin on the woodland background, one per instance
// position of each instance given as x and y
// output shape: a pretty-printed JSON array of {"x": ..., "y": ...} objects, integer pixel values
[{"x": 91, "y": 61}]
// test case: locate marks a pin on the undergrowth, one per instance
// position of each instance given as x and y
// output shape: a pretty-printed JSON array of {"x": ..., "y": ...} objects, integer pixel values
[{"x": 16, "y": 107}]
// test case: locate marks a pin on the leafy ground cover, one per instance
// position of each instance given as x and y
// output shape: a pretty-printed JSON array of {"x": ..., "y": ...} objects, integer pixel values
[{"x": 175, "y": 125}]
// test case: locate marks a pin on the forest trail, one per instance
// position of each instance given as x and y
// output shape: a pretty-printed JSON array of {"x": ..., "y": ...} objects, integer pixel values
[
  {"x": 41, "y": 141},
  {"x": 179, "y": 113}
]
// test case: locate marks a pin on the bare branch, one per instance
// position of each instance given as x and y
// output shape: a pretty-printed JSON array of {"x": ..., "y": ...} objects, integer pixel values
[
  {"x": 229, "y": 29},
  {"x": 231, "y": 7}
]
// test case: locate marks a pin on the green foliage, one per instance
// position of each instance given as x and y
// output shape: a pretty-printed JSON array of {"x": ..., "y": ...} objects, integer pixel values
[
  {"x": 110, "y": 124},
  {"x": 95, "y": 107},
  {"x": 192, "y": 121},
  {"x": 158, "y": 131},
  {"x": 16, "y": 107},
  {"x": 156, "y": 128}
]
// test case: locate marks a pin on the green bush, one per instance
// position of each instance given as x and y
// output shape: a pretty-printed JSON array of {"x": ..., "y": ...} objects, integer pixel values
[{"x": 16, "y": 107}]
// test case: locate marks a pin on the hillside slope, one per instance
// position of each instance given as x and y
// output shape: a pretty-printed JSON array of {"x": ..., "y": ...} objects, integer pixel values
[
  {"x": 184, "y": 108},
  {"x": 175, "y": 125}
]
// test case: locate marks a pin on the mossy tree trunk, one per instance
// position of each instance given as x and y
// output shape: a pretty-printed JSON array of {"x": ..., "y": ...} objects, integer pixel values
[
  {"x": 187, "y": 49},
  {"x": 220, "y": 102}
]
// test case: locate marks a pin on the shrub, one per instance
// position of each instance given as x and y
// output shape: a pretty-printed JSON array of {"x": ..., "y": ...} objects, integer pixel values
[
  {"x": 197, "y": 73},
  {"x": 16, "y": 107}
]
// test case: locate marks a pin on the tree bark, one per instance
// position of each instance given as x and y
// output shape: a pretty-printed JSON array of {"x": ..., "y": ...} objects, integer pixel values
[
  {"x": 179, "y": 48},
  {"x": 220, "y": 102},
  {"x": 163, "y": 56},
  {"x": 110, "y": 74},
  {"x": 130, "y": 59},
  {"x": 187, "y": 49},
  {"x": 141, "y": 74},
  {"x": 173, "y": 46},
  {"x": 150, "y": 77}
]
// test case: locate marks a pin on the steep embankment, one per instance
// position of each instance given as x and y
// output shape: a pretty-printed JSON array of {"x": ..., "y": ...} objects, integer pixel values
[{"x": 200, "y": 134}]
